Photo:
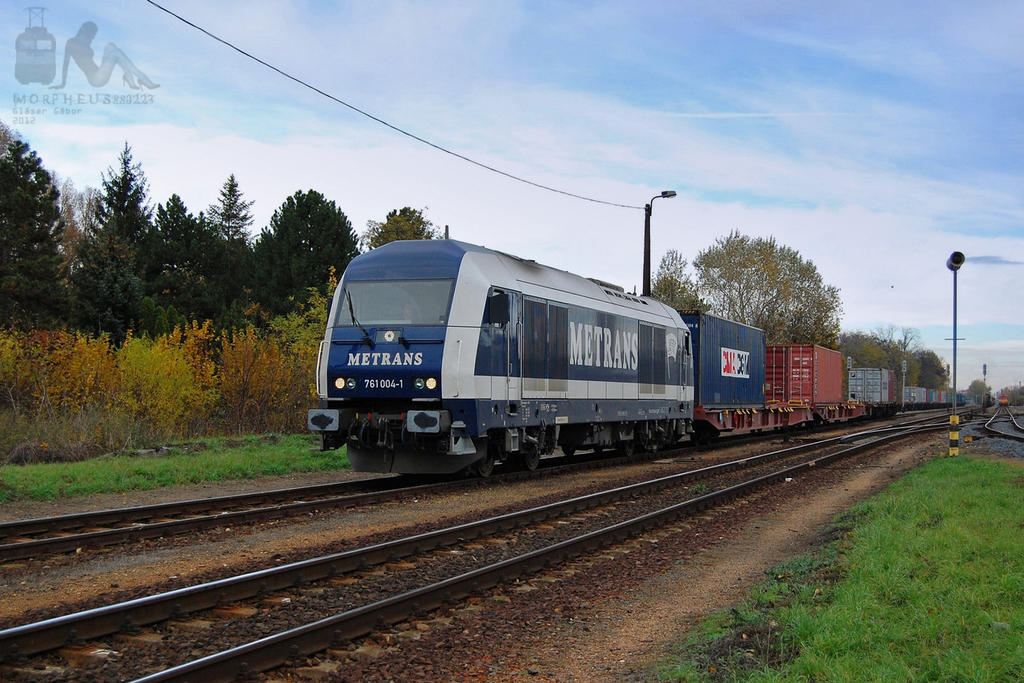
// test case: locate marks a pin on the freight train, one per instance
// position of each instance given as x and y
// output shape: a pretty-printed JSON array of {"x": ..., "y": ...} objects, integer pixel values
[{"x": 441, "y": 356}]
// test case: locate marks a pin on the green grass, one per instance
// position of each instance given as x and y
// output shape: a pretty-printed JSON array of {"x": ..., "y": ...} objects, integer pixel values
[
  {"x": 923, "y": 582},
  {"x": 212, "y": 460}
]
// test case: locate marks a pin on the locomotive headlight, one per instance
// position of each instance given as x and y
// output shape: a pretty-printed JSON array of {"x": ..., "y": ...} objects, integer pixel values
[
  {"x": 431, "y": 383},
  {"x": 418, "y": 383},
  {"x": 351, "y": 383},
  {"x": 339, "y": 383}
]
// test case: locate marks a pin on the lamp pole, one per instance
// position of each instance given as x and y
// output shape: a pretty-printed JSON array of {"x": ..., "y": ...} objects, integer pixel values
[
  {"x": 647, "y": 238},
  {"x": 955, "y": 260}
]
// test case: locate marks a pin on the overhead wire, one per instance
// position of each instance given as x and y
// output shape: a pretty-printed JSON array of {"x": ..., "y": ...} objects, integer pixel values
[{"x": 381, "y": 121}]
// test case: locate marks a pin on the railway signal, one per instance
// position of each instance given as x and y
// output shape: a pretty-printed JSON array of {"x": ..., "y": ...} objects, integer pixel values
[{"x": 955, "y": 260}]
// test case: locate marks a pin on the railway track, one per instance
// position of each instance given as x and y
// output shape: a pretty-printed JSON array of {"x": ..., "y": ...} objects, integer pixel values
[
  {"x": 1003, "y": 424},
  {"x": 361, "y": 589},
  {"x": 34, "y": 538},
  {"x": 41, "y": 537}
]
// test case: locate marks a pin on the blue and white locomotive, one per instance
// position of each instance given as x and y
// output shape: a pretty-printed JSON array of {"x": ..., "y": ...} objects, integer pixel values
[{"x": 442, "y": 356}]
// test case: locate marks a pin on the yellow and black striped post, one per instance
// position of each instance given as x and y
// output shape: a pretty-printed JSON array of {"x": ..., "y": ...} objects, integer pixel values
[{"x": 954, "y": 435}]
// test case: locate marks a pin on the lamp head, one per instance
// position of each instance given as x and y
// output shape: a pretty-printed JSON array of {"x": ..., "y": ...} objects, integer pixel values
[
  {"x": 668, "y": 193},
  {"x": 955, "y": 260}
]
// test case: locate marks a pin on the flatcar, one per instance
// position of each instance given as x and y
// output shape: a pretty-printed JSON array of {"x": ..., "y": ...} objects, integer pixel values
[
  {"x": 746, "y": 385},
  {"x": 442, "y": 356}
]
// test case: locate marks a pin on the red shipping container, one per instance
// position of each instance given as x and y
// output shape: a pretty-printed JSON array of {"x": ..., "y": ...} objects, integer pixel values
[{"x": 803, "y": 373}]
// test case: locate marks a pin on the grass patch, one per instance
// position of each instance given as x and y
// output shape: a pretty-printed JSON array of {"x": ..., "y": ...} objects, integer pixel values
[
  {"x": 212, "y": 460},
  {"x": 923, "y": 582}
]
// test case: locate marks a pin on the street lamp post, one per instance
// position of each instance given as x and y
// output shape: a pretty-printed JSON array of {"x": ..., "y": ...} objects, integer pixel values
[
  {"x": 647, "y": 238},
  {"x": 955, "y": 260}
]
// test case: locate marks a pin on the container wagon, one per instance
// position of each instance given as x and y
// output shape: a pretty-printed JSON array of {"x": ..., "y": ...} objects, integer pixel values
[
  {"x": 729, "y": 366},
  {"x": 876, "y": 389},
  {"x": 808, "y": 375},
  {"x": 915, "y": 396}
]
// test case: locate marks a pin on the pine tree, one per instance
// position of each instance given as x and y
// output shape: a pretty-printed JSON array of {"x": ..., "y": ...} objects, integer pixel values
[
  {"x": 307, "y": 236},
  {"x": 31, "y": 290},
  {"x": 108, "y": 281},
  {"x": 232, "y": 277},
  {"x": 122, "y": 210},
  {"x": 231, "y": 216},
  {"x": 184, "y": 261},
  {"x": 106, "y": 287}
]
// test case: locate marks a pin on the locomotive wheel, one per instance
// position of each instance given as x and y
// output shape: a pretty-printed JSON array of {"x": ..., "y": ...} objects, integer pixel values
[
  {"x": 626, "y": 448},
  {"x": 483, "y": 467},
  {"x": 529, "y": 460},
  {"x": 568, "y": 450}
]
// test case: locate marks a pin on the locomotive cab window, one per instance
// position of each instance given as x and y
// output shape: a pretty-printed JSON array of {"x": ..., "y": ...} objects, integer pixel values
[
  {"x": 373, "y": 303},
  {"x": 498, "y": 312}
]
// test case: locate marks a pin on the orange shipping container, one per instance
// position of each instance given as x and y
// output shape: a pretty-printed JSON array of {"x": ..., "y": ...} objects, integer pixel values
[{"x": 803, "y": 373}]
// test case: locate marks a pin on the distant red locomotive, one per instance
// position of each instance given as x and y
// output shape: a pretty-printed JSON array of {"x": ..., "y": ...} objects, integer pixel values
[{"x": 1004, "y": 400}]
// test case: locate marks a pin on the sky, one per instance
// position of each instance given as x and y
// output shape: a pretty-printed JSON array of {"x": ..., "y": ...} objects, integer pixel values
[{"x": 875, "y": 143}]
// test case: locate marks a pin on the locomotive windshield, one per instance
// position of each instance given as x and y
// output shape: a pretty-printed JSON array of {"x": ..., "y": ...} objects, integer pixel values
[{"x": 373, "y": 303}]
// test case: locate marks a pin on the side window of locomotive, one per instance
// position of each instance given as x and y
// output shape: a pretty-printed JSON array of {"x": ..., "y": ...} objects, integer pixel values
[
  {"x": 659, "y": 364},
  {"x": 535, "y": 341},
  {"x": 498, "y": 307},
  {"x": 558, "y": 334},
  {"x": 653, "y": 360},
  {"x": 646, "y": 349}
]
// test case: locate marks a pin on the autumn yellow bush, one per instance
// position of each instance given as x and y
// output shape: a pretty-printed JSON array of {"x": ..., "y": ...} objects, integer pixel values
[
  {"x": 262, "y": 385},
  {"x": 67, "y": 388},
  {"x": 159, "y": 390}
]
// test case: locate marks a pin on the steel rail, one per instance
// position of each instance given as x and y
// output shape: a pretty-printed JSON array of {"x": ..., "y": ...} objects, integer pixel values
[
  {"x": 58, "y": 631},
  {"x": 197, "y": 505},
  {"x": 1009, "y": 418},
  {"x": 271, "y": 651}
]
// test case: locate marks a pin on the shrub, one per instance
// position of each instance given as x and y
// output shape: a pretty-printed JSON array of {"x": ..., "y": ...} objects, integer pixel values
[{"x": 159, "y": 389}]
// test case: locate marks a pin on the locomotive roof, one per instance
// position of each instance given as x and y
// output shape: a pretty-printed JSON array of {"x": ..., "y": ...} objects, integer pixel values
[{"x": 424, "y": 259}]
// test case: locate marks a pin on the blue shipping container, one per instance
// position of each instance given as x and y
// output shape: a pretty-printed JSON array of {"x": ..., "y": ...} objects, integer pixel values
[{"x": 728, "y": 362}]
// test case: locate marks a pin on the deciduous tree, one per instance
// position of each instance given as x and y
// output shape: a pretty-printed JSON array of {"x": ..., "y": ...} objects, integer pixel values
[
  {"x": 401, "y": 224},
  {"x": 863, "y": 348},
  {"x": 978, "y": 390},
  {"x": 933, "y": 373},
  {"x": 672, "y": 285},
  {"x": 760, "y": 282},
  {"x": 7, "y": 136},
  {"x": 78, "y": 211}
]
